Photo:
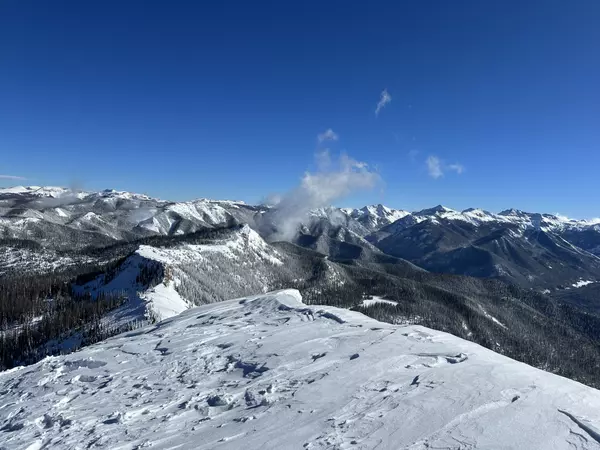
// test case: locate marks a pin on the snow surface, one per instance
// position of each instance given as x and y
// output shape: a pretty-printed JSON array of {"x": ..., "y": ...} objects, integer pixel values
[
  {"x": 492, "y": 318},
  {"x": 160, "y": 302},
  {"x": 582, "y": 283},
  {"x": 376, "y": 213},
  {"x": 163, "y": 301},
  {"x": 269, "y": 372},
  {"x": 45, "y": 191},
  {"x": 376, "y": 300},
  {"x": 247, "y": 240}
]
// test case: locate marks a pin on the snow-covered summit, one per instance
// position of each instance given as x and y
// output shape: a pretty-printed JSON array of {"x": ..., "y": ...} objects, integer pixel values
[
  {"x": 38, "y": 191},
  {"x": 436, "y": 210},
  {"x": 378, "y": 213},
  {"x": 521, "y": 219},
  {"x": 268, "y": 372},
  {"x": 372, "y": 217}
]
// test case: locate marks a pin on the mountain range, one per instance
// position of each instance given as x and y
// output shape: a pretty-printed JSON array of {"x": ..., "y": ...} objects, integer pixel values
[{"x": 536, "y": 250}]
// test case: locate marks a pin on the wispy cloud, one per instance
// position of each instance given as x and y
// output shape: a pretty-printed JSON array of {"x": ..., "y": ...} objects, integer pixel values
[
  {"x": 11, "y": 177},
  {"x": 335, "y": 178},
  {"x": 436, "y": 167},
  {"x": 458, "y": 168},
  {"x": 327, "y": 135},
  {"x": 412, "y": 154},
  {"x": 384, "y": 99}
]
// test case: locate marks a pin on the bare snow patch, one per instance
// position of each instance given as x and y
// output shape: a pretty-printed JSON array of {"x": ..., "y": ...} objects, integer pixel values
[
  {"x": 492, "y": 318},
  {"x": 582, "y": 283},
  {"x": 375, "y": 300}
]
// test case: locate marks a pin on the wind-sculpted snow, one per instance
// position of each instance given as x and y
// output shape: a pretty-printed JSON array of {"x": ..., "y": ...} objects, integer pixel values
[{"x": 269, "y": 372}]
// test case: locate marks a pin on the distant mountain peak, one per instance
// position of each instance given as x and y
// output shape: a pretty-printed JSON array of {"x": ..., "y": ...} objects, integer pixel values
[
  {"x": 476, "y": 211},
  {"x": 513, "y": 212},
  {"x": 435, "y": 210}
]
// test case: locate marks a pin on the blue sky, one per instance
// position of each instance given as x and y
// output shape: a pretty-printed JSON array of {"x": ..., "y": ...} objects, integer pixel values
[{"x": 226, "y": 99}]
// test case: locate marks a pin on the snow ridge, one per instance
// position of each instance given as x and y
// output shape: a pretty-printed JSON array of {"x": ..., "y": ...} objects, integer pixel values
[
  {"x": 164, "y": 300},
  {"x": 270, "y": 372}
]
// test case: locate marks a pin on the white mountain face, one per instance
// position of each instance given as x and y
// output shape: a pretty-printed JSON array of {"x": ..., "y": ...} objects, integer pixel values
[
  {"x": 374, "y": 217},
  {"x": 207, "y": 268},
  {"x": 52, "y": 216},
  {"x": 37, "y": 191},
  {"x": 270, "y": 372}
]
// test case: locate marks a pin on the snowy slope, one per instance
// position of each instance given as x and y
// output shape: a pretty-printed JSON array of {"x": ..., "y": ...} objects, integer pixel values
[
  {"x": 63, "y": 218},
  {"x": 373, "y": 217},
  {"x": 13, "y": 259},
  {"x": 143, "y": 302},
  {"x": 520, "y": 220},
  {"x": 533, "y": 250},
  {"x": 269, "y": 372},
  {"x": 243, "y": 248}
]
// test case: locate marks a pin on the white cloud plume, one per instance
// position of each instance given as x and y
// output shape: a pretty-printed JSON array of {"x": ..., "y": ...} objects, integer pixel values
[
  {"x": 328, "y": 135},
  {"x": 11, "y": 177},
  {"x": 458, "y": 168},
  {"x": 434, "y": 167},
  {"x": 271, "y": 200},
  {"x": 333, "y": 179},
  {"x": 384, "y": 99}
]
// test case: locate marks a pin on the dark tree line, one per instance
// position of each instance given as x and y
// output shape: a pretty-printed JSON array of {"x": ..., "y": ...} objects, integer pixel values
[
  {"x": 37, "y": 313},
  {"x": 42, "y": 314}
]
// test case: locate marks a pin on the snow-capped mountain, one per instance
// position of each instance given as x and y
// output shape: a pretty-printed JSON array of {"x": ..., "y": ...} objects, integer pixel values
[
  {"x": 271, "y": 372},
  {"x": 474, "y": 216},
  {"x": 374, "y": 217},
  {"x": 38, "y": 191},
  {"x": 537, "y": 250},
  {"x": 531, "y": 249},
  {"x": 62, "y": 218},
  {"x": 163, "y": 281}
]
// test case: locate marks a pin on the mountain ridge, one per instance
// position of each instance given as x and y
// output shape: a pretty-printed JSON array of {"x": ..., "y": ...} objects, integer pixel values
[{"x": 524, "y": 248}]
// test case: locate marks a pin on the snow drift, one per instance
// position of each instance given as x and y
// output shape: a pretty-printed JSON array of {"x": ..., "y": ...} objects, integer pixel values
[{"x": 270, "y": 372}]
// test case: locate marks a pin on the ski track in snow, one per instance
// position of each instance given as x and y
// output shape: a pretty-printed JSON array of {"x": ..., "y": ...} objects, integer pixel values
[{"x": 269, "y": 372}]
